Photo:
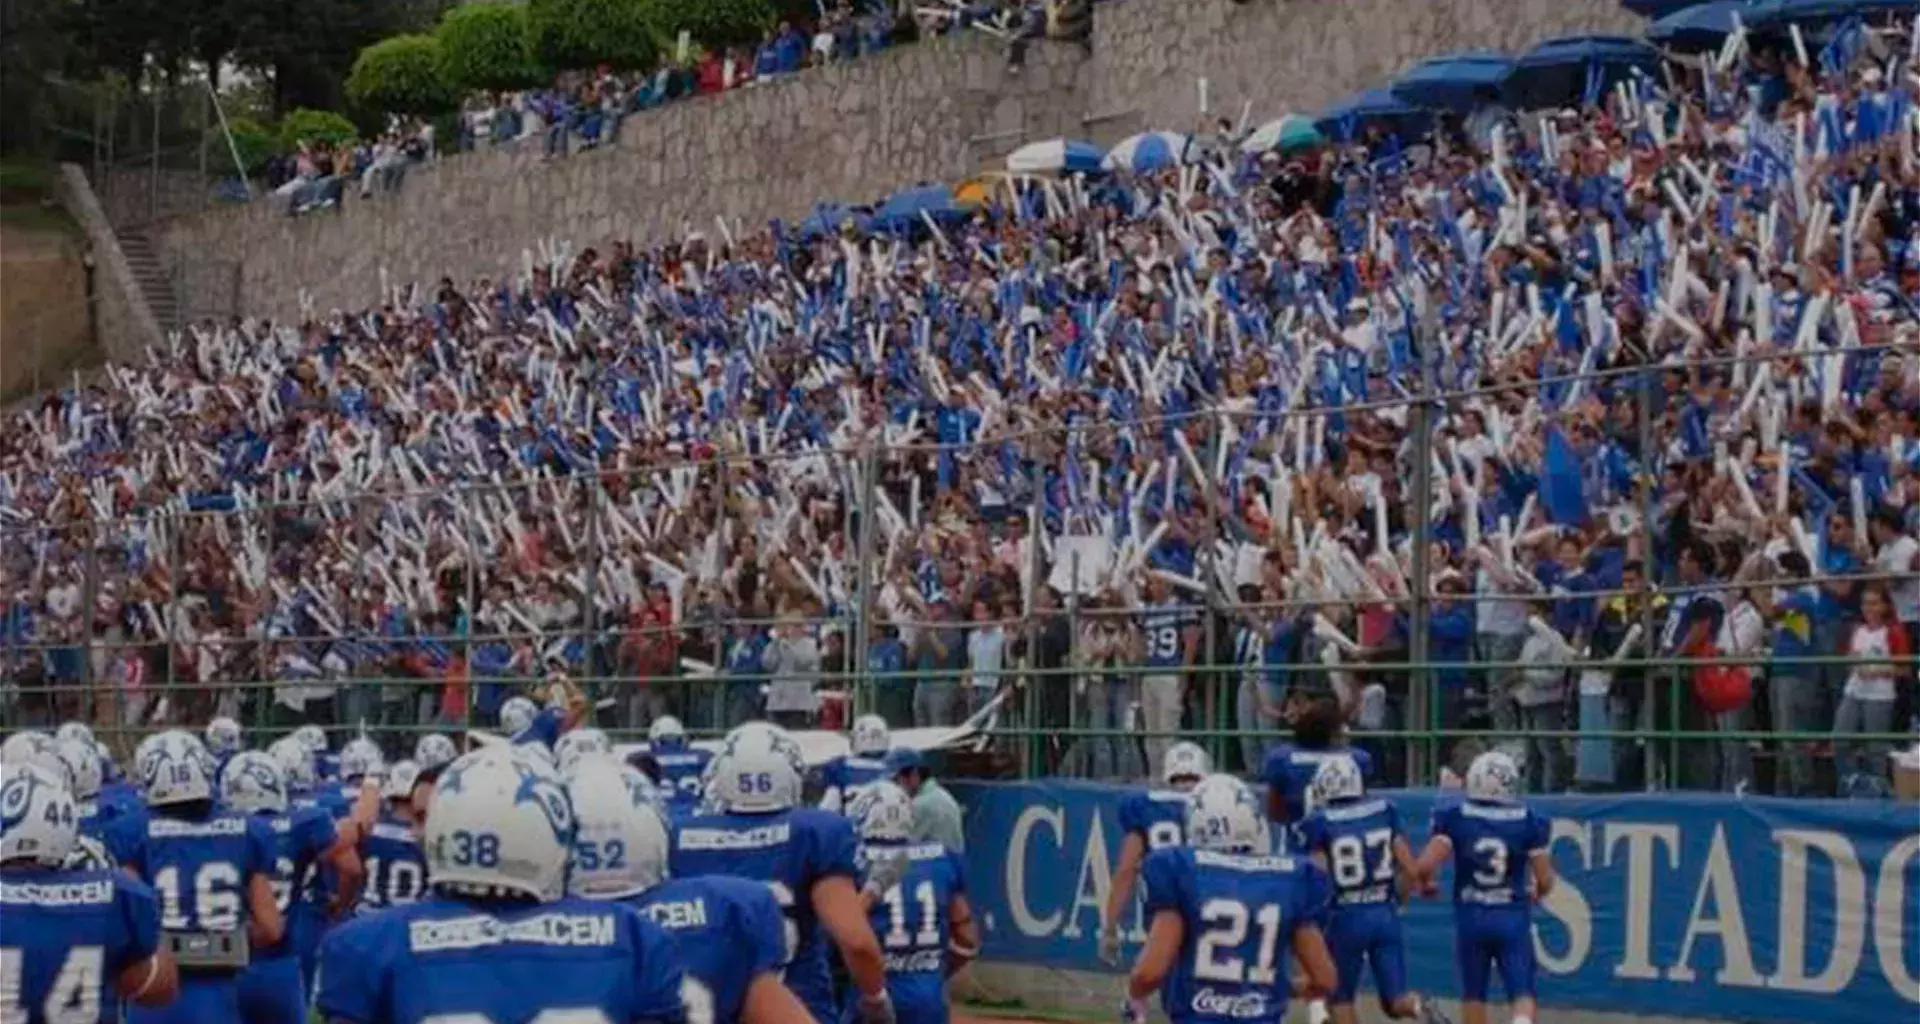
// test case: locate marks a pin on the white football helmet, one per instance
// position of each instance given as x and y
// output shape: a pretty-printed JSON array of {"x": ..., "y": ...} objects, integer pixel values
[
  {"x": 871, "y": 737},
  {"x": 78, "y": 732},
  {"x": 398, "y": 785},
  {"x": 1224, "y": 817},
  {"x": 1493, "y": 777},
  {"x": 666, "y": 733},
  {"x": 295, "y": 762},
  {"x": 759, "y": 769},
  {"x": 38, "y": 821},
  {"x": 311, "y": 737},
  {"x": 223, "y": 736},
  {"x": 1184, "y": 762},
  {"x": 620, "y": 849},
  {"x": 516, "y": 715},
  {"x": 882, "y": 812},
  {"x": 500, "y": 824},
  {"x": 251, "y": 783},
  {"x": 433, "y": 750},
  {"x": 175, "y": 769},
  {"x": 36, "y": 748},
  {"x": 570, "y": 748},
  {"x": 83, "y": 768},
  {"x": 1337, "y": 778},
  {"x": 360, "y": 758}
]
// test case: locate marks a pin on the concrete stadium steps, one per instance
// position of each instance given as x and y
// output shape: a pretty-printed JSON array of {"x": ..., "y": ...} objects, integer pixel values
[{"x": 151, "y": 275}]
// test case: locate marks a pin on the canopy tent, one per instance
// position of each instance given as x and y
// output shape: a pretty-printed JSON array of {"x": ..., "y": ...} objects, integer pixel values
[
  {"x": 1704, "y": 27},
  {"x": 1372, "y": 108},
  {"x": 829, "y": 218},
  {"x": 1778, "y": 14},
  {"x": 1292, "y": 132},
  {"x": 1055, "y": 156},
  {"x": 1457, "y": 82},
  {"x": 1659, "y": 8},
  {"x": 1575, "y": 70},
  {"x": 909, "y": 206},
  {"x": 1147, "y": 151}
]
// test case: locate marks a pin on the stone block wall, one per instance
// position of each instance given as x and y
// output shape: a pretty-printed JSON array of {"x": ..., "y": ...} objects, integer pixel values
[
  {"x": 125, "y": 322},
  {"x": 851, "y": 132}
]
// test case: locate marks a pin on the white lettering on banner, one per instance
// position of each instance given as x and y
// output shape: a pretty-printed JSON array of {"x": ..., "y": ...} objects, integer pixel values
[
  {"x": 1016, "y": 871},
  {"x": 1890, "y": 918},
  {"x": 1637, "y": 960},
  {"x": 1096, "y": 871},
  {"x": 1849, "y": 912},
  {"x": 1728, "y": 923},
  {"x": 1567, "y": 903}
]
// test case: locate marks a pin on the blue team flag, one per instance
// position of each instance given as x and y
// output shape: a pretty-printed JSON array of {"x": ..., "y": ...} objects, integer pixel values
[{"x": 1562, "y": 493}]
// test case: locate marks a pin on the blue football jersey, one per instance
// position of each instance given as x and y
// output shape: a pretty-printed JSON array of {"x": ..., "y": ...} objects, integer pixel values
[
  {"x": 501, "y": 963},
  {"x": 544, "y": 730},
  {"x": 1157, "y": 815},
  {"x": 789, "y": 851},
  {"x": 1357, "y": 838},
  {"x": 198, "y": 864},
  {"x": 300, "y": 840},
  {"x": 1240, "y": 912},
  {"x": 848, "y": 774},
  {"x": 1289, "y": 771},
  {"x": 680, "y": 773},
  {"x": 326, "y": 766},
  {"x": 396, "y": 868},
  {"x": 1163, "y": 625},
  {"x": 1491, "y": 846},
  {"x": 726, "y": 932},
  {"x": 68, "y": 935},
  {"x": 914, "y": 926}
]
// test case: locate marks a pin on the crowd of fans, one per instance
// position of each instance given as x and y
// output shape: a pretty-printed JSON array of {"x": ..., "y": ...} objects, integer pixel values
[{"x": 1091, "y": 435}]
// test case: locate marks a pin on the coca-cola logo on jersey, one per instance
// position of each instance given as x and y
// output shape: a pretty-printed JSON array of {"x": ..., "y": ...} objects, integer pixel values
[{"x": 1239, "y": 1005}]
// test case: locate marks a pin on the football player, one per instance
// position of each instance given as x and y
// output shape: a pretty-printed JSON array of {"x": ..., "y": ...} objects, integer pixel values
[
  {"x": 922, "y": 919},
  {"x": 213, "y": 870},
  {"x": 578, "y": 743},
  {"x": 38, "y": 749},
  {"x": 83, "y": 775},
  {"x": 867, "y": 763},
  {"x": 326, "y": 765},
  {"x": 1360, "y": 843},
  {"x": 223, "y": 740},
  {"x": 728, "y": 932},
  {"x": 803, "y": 854},
  {"x": 681, "y": 767},
  {"x": 395, "y": 866},
  {"x": 77, "y": 941},
  {"x": 433, "y": 750},
  {"x": 1224, "y": 915},
  {"x": 1149, "y": 820},
  {"x": 1501, "y": 866},
  {"x": 271, "y": 989},
  {"x": 1290, "y": 767},
  {"x": 497, "y": 940}
]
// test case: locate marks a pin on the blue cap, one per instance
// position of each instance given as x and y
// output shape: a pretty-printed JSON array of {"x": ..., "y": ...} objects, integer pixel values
[{"x": 901, "y": 759}]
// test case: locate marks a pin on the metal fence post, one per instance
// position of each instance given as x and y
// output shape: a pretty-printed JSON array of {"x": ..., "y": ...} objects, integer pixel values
[
  {"x": 1650, "y": 760},
  {"x": 862, "y": 700},
  {"x": 1421, "y": 693}
]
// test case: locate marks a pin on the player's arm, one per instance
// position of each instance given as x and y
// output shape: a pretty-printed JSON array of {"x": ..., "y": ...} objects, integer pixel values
[
  {"x": 1321, "y": 977},
  {"x": 1438, "y": 849},
  {"x": 1133, "y": 849},
  {"x": 769, "y": 1001},
  {"x": 842, "y": 913},
  {"x": 151, "y": 982},
  {"x": 1403, "y": 859},
  {"x": 963, "y": 946},
  {"x": 1156, "y": 960},
  {"x": 1543, "y": 875},
  {"x": 264, "y": 923},
  {"x": 349, "y": 872}
]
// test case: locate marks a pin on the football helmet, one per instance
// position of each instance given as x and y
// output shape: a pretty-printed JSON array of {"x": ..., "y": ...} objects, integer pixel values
[
  {"x": 398, "y": 785},
  {"x": 175, "y": 769},
  {"x": 1224, "y": 817},
  {"x": 1184, "y": 762},
  {"x": 223, "y": 736},
  {"x": 38, "y": 821},
  {"x": 759, "y": 770},
  {"x": 501, "y": 824},
  {"x": 667, "y": 735},
  {"x": 433, "y": 750},
  {"x": 1337, "y": 778},
  {"x": 620, "y": 847},
  {"x": 516, "y": 715},
  {"x": 76, "y": 731},
  {"x": 882, "y": 812},
  {"x": 1493, "y": 777},
  {"x": 360, "y": 758},
  {"x": 871, "y": 737},
  {"x": 36, "y": 748},
  {"x": 295, "y": 762},
  {"x": 311, "y": 737},
  {"x": 252, "y": 783},
  {"x": 578, "y": 743},
  {"x": 83, "y": 768}
]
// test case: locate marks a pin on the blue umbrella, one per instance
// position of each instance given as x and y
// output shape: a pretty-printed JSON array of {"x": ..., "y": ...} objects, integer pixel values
[
  {"x": 1458, "y": 82},
  {"x": 827, "y": 219},
  {"x": 1575, "y": 70},
  {"x": 1778, "y": 14},
  {"x": 1375, "y": 108},
  {"x": 1055, "y": 156},
  {"x": 1698, "y": 28},
  {"x": 1147, "y": 151},
  {"x": 1659, "y": 8},
  {"x": 903, "y": 208}
]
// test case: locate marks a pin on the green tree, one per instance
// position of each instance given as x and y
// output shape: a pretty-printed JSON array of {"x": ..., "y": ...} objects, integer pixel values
[
  {"x": 306, "y": 49},
  {"x": 715, "y": 23},
  {"x": 314, "y": 126},
  {"x": 487, "y": 45},
  {"x": 253, "y": 141},
  {"x": 401, "y": 76},
  {"x": 584, "y": 33}
]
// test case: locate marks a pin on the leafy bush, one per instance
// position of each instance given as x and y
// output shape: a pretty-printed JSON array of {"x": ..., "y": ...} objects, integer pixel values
[
  {"x": 306, "y": 125},
  {"x": 586, "y": 33},
  {"x": 255, "y": 143},
  {"x": 487, "y": 46},
  {"x": 718, "y": 23},
  {"x": 401, "y": 75}
]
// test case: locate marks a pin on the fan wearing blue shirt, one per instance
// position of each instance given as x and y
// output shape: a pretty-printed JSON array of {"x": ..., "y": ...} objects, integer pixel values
[
  {"x": 80, "y": 940},
  {"x": 727, "y": 932},
  {"x": 1501, "y": 867},
  {"x": 1151, "y": 819},
  {"x": 805, "y": 856},
  {"x": 213, "y": 871},
  {"x": 497, "y": 939},
  {"x": 1225, "y": 914}
]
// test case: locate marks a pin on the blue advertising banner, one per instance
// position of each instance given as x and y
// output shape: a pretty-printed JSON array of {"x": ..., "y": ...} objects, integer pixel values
[{"x": 1756, "y": 910}]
